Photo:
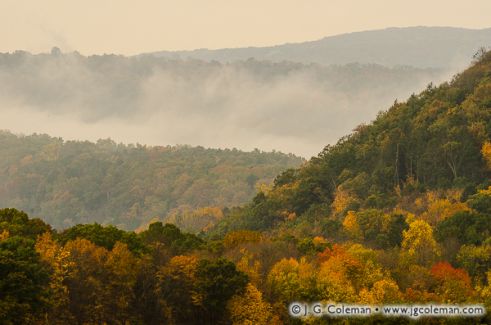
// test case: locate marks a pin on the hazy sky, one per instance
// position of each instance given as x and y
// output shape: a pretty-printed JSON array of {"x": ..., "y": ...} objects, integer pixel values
[{"x": 131, "y": 26}]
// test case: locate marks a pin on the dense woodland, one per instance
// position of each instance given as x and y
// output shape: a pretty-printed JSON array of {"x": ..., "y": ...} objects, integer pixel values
[
  {"x": 398, "y": 211},
  {"x": 72, "y": 182}
]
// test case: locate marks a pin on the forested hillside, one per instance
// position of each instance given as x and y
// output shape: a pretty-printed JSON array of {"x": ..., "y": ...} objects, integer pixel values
[
  {"x": 71, "y": 182},
  {"x": 431, "y": 142},
  {"x": 397, "y": 212}
]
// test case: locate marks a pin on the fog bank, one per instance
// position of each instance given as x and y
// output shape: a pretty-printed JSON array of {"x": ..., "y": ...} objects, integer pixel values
[{"x": 249, "y": 104}]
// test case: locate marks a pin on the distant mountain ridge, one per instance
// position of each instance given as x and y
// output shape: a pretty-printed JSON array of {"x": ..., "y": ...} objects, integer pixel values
[{"x": 423, "y": 47}]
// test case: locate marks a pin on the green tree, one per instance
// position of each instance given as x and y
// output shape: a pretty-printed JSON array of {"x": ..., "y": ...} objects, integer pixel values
[
  {"x": 17, "y": 223},
  {"x": 476, "y": 260},
  {"x": 217, "y": 281},
  {"x": 104, "y": 236},
  {"x": 23, "y": 282},
  {"x": 171, "y": 237}
]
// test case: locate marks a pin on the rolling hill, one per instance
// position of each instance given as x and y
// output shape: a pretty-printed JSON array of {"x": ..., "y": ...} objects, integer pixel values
[
  {"x": 423, "y": 47},
  {"x": 71, "y": 182},
  {"x": 433, "y": 141},
  {"x": 396, "y": 213}
]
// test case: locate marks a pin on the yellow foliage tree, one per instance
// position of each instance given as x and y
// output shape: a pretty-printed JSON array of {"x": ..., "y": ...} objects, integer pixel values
[
  {"x": 250, "y": 308},
  {"x": 334, "y": 285},
  {"x": 383, "y": 291},
  {"x": 123, "y": 267},
  {"x": 291, "y": 280},
  {"x": 346, "y": 271},
  {"x": 342, "y": 200},
  {"x": 4, "y": 235},
  {"x": 250, "y": 266},
  {"x": 319, "y": 240},
  {"x": 486, "y": 153},
  {"x": 418, "y": 244},
  {"x": 236, "y": 238},
  {"x": 486, "y": 191},
  {"x": 362, "y": 253},
  {"x": 58, "y": 258},
  {"x": 439, "y": 209},
  {"x": 351, "y": 226}
]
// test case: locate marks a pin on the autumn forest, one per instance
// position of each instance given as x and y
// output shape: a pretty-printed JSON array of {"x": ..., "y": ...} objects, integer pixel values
[{"x": 398, "y": 211}]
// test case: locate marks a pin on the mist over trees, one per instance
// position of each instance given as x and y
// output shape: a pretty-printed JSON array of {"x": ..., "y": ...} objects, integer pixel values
[
  {"x": 436, "y": 140},
  {"x": 286, "y": 106},
  {"x": 397, "y": 212}
]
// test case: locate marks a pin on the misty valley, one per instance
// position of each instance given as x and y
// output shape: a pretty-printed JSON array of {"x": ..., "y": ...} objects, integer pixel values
[{"x": 242, "y": 185}]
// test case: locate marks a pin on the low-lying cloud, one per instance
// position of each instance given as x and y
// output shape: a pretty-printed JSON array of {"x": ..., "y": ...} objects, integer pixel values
[{"x": 249, "y": 104}]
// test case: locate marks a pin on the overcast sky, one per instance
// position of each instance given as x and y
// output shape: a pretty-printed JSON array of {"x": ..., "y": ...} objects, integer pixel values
[{"x": 131, "y": 26}]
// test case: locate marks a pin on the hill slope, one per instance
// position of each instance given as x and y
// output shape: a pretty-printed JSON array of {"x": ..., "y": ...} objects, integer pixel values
[
  {"x": 431, "y": 142},
  {"x": 414, "y": 46},
  {"x": 399, "y": 212},
  {"x": 79, "y": 182}
]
